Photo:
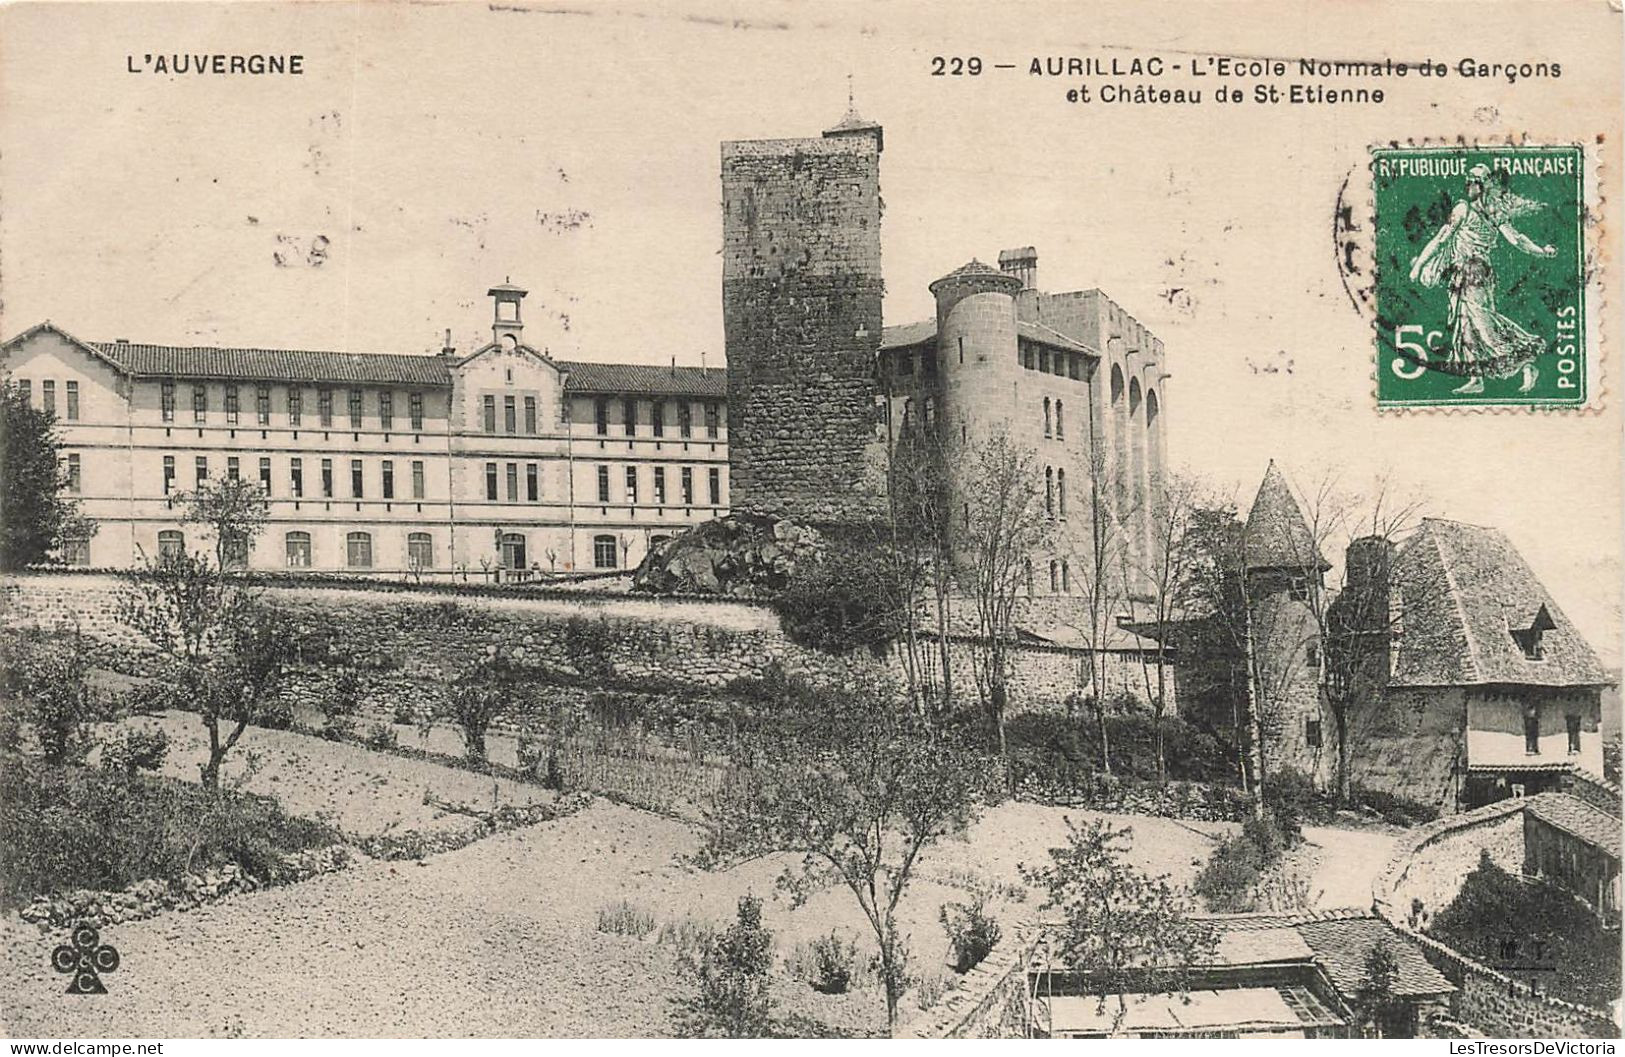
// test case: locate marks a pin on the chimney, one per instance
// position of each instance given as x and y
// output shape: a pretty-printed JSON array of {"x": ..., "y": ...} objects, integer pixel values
[
  {"x": 506, "y": 326},
  {"x": 447, "y": 349},
  {"x": 1021, "y": 263}
]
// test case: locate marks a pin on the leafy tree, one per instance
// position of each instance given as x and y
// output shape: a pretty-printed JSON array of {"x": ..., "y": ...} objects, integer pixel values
[
  {"x": 858, "y": 784},
  {"x": 36, "y": 514},
  {"x": 731, "y": 973},
  {"x": 235, "y": 511},
  {"x": 833, "y": 604},
  {"x": 48, "y": 681},
  {"x": 1118, "y": 922},
  {"x": 1375, "y": 1004},
  {"x": 225, "y": 649}
]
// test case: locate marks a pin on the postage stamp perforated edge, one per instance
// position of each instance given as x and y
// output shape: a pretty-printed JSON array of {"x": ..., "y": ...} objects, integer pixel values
[{"x": 1596, "y": 227}]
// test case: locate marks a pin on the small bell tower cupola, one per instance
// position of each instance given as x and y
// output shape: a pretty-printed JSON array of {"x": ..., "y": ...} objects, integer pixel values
[{"x": 506, "y": 326}]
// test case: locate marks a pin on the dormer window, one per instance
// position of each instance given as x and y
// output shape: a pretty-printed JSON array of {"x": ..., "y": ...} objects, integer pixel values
[{"x": 1529, "y": 639}]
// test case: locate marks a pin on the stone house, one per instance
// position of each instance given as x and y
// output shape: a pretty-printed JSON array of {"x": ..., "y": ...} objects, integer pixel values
[{"x": 1576, "y": 847}]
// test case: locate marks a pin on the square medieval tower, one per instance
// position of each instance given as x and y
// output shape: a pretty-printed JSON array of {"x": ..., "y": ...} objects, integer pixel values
[{"x": 801, "y": 302}]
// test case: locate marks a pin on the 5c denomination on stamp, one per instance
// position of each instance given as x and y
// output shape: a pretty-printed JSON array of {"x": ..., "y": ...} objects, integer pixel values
[{"x": 1480, "y": 285}]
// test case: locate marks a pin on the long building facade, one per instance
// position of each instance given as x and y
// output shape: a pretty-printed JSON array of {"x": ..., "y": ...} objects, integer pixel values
[{"x": 502, "y": 462}]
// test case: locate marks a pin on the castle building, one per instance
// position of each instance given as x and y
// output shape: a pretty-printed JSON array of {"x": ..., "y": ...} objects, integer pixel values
[{"x": 384, "y": 464}]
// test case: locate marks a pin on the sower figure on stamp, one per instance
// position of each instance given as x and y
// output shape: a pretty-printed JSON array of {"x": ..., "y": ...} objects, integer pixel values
[{"x": 1482, "y": 341}]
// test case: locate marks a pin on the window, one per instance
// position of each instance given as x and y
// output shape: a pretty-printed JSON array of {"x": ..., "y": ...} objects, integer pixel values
[
  {"x": 1311, "y": 733},
  {"x": 296, "y": 476},
  {"x": 513, "y": 550},
  {"x": 262, "y": 404},
  {"x": 1060, "y": 491},
  {"x": 297, "y": 548},
  {"x": 600, "y": 412},
  {"x": 324, "y": 407},
  {"x": 355, "y": 408},
  {"x": 235, "y": 552},
  {"x": 905, "y": 365},
  {"x": 629, "y": 416},
  {"x": 688, "y": 485},
  {"x": 1054, "y": 576},
  {"x": 1046, "y": 417},
  {"x": 657, "y": 417},
  {"x": 419, "y": 550},
  {"x": 1027, "y": 572},
  {"x": 232, "y": 408},
  {"x": 714, "y": 484},
  {"x": 73, "y": 401},
  {"x": 296, "y": 402},
  {"x": 358, "y": 550},
  {"x": 489, "y": 407},
  {"x": 685, "y": 420},
  {"x": 327, "y": 478},
  {"x": 47, "y": 390},
  {"x": 1298, "y": 587},
  {"x": 356, "y": 488},
  {"x": 491, "y": 482},
  {"x": 632, "y": 486},
  {"x": 233, "y": 468},
  {"x": 1531, "y": 731},
  {"x": 76, "y": 552},
  {"x": 166, "y": 401},
  {"x": 417, "y": 478},
  {"x": 169, "y": 473},
  {"x": 389, "y": 479},
  {"x": 200, "y": 404},
  {"x": 603, "y": 484},
  {"x": 74, "y": 480},
  {"x": 513, "y": 482},
  {"x": 414, "y": 405},
  {"x": 171, "y": 544},
  {"x": 1060, "y": 420},
  {"x": 386, "y": 410},
  {"x": 1049, "y": 491},
  {"x": 530, "y": 415},
  {"x": 1573, "y": 722},
  {"x": 1528, "y": 640},
  {"x": 26, "y": 387},
  {"x": 713, "y": 419},
  {"x": 265, "y": 474},
  {"x": 533, "y": 483},
  {"x": 510, "y": 415},
  {"x": 1066, "y": 577},
  {"x": 201, "y": 467},
  {"x": 660, "y": 485},
  {"x": 603, "y": 552}
]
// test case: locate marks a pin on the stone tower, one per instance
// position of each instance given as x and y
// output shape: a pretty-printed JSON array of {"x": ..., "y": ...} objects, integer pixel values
[
  {"x": 801, "y": 303},
  {"x": 1285, "y": 571}
]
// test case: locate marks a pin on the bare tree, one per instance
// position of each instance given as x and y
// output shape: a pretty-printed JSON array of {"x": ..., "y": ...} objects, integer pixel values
[
  {"x": 919, "y": 552},
  {"x": 1006, "y": 517},
  {"x": 1101, "y": 583},
  {"x": 1167, "y": 578}
]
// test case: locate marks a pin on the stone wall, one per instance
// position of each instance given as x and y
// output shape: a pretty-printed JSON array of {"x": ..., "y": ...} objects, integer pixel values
[
  {"x": 1503, "y": 1008},
  {"x": 801, "y": 309},
  {"x": 990, "y": 1001},
  {"x": 1431, "y": 861}
]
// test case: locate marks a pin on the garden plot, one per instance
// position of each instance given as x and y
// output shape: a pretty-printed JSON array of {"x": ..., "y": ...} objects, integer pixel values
[{"x": 356, "y": 790}]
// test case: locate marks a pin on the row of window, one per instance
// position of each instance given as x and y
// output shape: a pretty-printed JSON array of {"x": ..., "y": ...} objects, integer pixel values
[
  {"x": 657, "y": 418},
  {"x": 1055, "y": 492},
  {"x": 1032, "y": 355},
  {"x": 47, "y": 393},
  {"x": 1060, "y": 576},
  {"x": 294, "y": 406},
  {"x": 296, "y": 476},
  {"x": 510, "y": 414},
  {"x": 607, "y": 550},
  {"x": 1055, "y": 424},
  {"x": 685, "y": 484}
]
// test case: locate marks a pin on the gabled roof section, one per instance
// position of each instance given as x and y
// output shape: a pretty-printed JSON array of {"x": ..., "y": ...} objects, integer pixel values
[
  {"x": 1577, "y": 818},
  {"x": 1339, "y": 940},
  {"x": 275, "y": 365},
  {"x": 529, "y": 350},
  {"x": 1465, "y": 590},
  {"x": 90, "y": 348},
  {"x": 1276, "y": 535},
  {"x": 636, "y": 379}
]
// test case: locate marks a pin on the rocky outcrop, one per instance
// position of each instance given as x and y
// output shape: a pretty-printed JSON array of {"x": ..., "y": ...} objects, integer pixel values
[{"x": 741, "y": 555}]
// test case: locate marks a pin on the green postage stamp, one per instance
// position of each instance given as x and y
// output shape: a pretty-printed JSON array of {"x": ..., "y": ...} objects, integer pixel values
[{"x": 1480, "y": 285}]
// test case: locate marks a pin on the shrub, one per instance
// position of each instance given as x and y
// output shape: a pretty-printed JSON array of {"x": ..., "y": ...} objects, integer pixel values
[
  {"x": 929, "y": 989},
  {"x": 689, "y": 937},
  {"x": 49, "y": 689},
  {"x": 277, "y": 715},
  {"x": 1227, "y": 882},
  {"x": 135, "y": 749},
  {"x": 731, "y": 977},
  {"x": 1061, "y": 750},
  {"x": 827, "y": 963},
  {"x": 1395, "y": 809},
  {"x": 972, "y": 932},
  {"x": 833, "y": 604},
  {"x": 1292, "y": 799},
  {"x": 625, "y": 919},
  {"x": 405, "y": 711},
  {"x": 340, "y": 705},
  {"x": 381, "y": 736}
]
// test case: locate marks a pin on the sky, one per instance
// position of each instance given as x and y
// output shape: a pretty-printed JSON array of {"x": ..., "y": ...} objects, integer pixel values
[{"x": 431, "y": 151}]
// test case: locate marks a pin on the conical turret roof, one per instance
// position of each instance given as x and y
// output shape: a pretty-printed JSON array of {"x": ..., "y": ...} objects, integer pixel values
[{"x": 1277, "y": 536}]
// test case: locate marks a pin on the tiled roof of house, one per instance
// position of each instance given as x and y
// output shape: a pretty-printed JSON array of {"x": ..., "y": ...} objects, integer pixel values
[
  {"x": 1574, "y": 816},
  {"x": 635, "y": 379},
  {"x": 907, "y": 334},
  {"x": 1276, "y": 535},
  {"x": 1342, "y": 947},
  {"x": 1465, "y": 590},
  {"x": 275, "y": 365}
]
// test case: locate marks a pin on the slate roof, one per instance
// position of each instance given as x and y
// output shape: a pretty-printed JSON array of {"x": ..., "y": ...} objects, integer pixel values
[
  {"x": 1341, "y": 948},
  {"x": 1578, "y": 818},
  {"x": 634, "y": 379},
  {"x": 275, "y": 365},
  {"x": 1276, "y": 535},
  {"x": 906, "y": 335},
  {"x": 1465, "y": 589}
]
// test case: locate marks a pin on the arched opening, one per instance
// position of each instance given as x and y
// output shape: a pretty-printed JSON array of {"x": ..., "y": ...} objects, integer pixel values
[{"x": 358, "y": 550}]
